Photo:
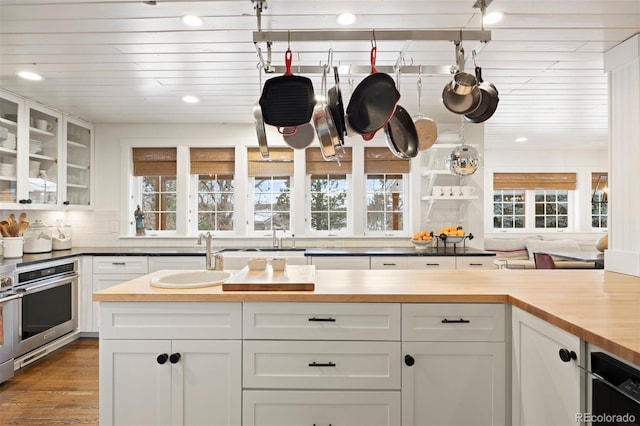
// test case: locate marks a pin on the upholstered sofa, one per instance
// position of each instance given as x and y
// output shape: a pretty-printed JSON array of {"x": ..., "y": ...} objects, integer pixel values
[{"x": 517, "y": 253}]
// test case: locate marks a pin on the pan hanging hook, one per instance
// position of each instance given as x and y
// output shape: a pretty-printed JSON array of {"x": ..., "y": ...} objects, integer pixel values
[
  {"x": 288, "y": 39},
  {"x": 473, "y": 54},
  {"x": 330, "y": 58},
  {"x": 374, "y": 44}
]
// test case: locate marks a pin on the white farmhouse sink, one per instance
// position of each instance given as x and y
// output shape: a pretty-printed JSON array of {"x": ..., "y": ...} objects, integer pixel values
[{"x": 191, "y": 279}]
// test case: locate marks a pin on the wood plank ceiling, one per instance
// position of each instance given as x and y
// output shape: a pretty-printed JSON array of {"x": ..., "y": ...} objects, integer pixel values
[{"x": 115, "y": 61}]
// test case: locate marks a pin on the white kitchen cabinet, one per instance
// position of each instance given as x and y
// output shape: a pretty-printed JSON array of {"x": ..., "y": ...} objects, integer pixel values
[
  {"x": 545, "y": 389},
  {"x": 431, "y": 262},
  {"x": 340, "y": 262},
  {"x": 454, "y": 361},
  {"x": 157, "y": 263},
  {"x": 13, "y": 118},
  {"x": 170, "y": 382},
  {"x": 389, "y": 262},
  {"x": 108, "y": 271},
  {"x": 78, "y": 174},
  {"x": 321, "y": 408},
  {"x": 475, "y": 262},
  {"x": 170, "y": 363}
]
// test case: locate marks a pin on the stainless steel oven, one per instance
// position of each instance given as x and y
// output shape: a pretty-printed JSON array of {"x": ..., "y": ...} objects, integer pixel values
[
  {"x": 47, "y": 308},
  {"x": 8, "y": 321}
]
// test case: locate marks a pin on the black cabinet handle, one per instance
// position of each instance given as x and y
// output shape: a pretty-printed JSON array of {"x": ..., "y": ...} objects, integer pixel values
[
  {"x": 458, "y": 321},
  {"x": 328, "y": 364},
  {"x": 66, "y": 203},
  {"x": 162, "y": 358},
  {"x": 566, "y": 355},
  {"x": 322, "y": 319},
  {"x": 409, "y": 360},
  {"x": 174, "y": 358}
]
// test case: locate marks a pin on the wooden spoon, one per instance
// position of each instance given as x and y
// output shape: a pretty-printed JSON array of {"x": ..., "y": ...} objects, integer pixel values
[
  {"x": 4, "y": 228},
  {"x": 24, "y": 224}
]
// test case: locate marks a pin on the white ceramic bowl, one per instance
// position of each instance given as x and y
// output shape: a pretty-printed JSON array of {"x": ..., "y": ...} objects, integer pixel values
[
  {"x": 422, "y": 245},
  {"x": 279, "y": 263},
  {"x": 257, "y": 263}
]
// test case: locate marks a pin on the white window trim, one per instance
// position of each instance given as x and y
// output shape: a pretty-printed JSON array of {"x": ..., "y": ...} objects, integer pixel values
[
  {"x": 332, "y": 233},
  {"x": 406, "y": 209},
  {"x": 193, "y": 211}
]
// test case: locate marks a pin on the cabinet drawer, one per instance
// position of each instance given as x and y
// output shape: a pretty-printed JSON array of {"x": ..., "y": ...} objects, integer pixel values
[
  {"x": 321, "y": 321},
  {"x": 321, "y": 408},
  {"x": 340, "y": 262},
  {"x": 475, "y": 262},
  {"x": 321, "y": 365},
  {"x": 448, "y": 322},
  {"x": 431, "y": 262},
  {"x": 170, "y": 320},
  {"x": 389, "y": 262},
  {"x": 120, "y": 265}
]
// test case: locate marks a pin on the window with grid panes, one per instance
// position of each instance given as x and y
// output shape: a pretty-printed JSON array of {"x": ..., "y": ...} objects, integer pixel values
[
  {"x": 155, "y": 169},
  {"x": 551, "y": 209},
  {"x": 509, "y": 209},
  {"x": 599, "y": 200},
  {"x": 328, "y": 190},
  {"x": 214, "y": 168},
  {"x": 271, "y": 188},
  {"x": 385, "y": 190}
]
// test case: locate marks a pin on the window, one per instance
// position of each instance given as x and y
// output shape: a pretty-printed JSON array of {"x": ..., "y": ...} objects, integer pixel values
[
  {"x": 385, "y": 190},
  {"x": 328, "y": 191},
  {"x": 271, "y": 188},
  {"x": 599, "y": 200},
  {"x": 214, "y": 169},
  {"x": 552, "y": 209},
  {"x": 509, "y": 209},
  {"x": 156, "y": 172},
  {"x": 532, "y": 200}
]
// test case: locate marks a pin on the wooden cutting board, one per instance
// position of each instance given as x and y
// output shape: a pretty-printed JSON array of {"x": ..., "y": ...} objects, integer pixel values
[{"x": 293, "y": 278}]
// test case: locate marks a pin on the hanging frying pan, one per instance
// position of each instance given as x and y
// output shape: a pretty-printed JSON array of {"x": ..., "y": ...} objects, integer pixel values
[
  {"x": 302, "y": 138},
  {"x": 426, "y": 128},
  {"x": 462, "y": 95},
  {"x": 401, "y": 134},
  {"x": 259, "y": 123},
  {"x": 373, "y": 102},
  {"x": 287, "y": 100},
  {"x": 337, "y": 107},
  {"x": 325, "y": 127},
  {"x": 489, "y": 102}
]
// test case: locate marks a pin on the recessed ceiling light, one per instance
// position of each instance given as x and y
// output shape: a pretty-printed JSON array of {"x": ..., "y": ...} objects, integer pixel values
[
  {"x": 189, "y": 99},
  {"x": 521, "y": 139},
  {"x": 346, "y": 18},
  {"x": 492, "y": 18},
  {"x": 29, "y": 75},
  {"x": 192, "y": 20}
]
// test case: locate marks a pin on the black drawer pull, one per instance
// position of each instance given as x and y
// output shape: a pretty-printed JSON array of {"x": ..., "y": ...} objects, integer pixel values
[
  {"x": 475, "y": 264},
  {"x": 162, "y": 358},
  {"x": 432, "y": 264},
  {"x": 389, "y": 264},
  {"x": 328, "y": 364},
  {"x": 322, "y": 319},
  {"x": 566, "y": 355},
  {"x": 174, "y": 358},
  {"x": 458, "y": 321},
  {"x": 118, "y": 263}
]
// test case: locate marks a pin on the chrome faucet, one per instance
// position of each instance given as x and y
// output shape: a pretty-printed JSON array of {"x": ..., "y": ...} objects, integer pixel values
[
  {"x": 212, "y": 263},
  {"x": 276, "y": 242}
]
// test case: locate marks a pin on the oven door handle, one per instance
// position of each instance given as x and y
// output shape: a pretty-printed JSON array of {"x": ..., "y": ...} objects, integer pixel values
[
  {"x": 45, "y": 285},
  {"x": 10, "y": 298}
]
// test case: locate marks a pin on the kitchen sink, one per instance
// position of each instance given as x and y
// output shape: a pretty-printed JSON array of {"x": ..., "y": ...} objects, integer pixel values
[
  {"x": 263, "y": 252},
  {"x": 191, "y": 279},
  {"x": 265, "y": 249}
]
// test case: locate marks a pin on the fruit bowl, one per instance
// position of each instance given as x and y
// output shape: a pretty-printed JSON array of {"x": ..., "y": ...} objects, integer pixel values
[{"x": 422, "y": 244}]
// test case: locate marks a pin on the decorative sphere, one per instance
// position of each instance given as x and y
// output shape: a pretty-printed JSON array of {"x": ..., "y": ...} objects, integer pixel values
[{"x": 464, "y": 160}]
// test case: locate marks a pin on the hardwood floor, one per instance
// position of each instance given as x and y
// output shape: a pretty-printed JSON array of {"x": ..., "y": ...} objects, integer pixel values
[{"x": 61, "y": 388}]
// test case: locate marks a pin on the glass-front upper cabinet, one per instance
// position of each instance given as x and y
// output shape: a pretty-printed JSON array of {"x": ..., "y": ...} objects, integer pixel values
[
  {"x": 44, "y": 148},
  {"x": 78, "y": 148},
  {"x": 11, "y": 108}
]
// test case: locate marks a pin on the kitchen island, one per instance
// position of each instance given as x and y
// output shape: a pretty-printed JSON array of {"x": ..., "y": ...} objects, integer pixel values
[{"x": 597, "y": 307}]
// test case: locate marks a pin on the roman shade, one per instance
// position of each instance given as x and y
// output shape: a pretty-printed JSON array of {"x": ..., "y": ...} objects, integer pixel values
[
  {"x": 316, "y": 164},
  {"x": 381, "y": 160},
  {"x": 548, "y": 181},
  {"x": 212, "y": 161},
  {"x": 280, "y": 162},
  {"x": 154, "y": 161}
]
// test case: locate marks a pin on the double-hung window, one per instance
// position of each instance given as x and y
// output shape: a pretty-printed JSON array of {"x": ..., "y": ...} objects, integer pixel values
[
  {"x": 533, "y": 201},
  {"x": 155, "y": 171},
  {"x": 386, "y": 189},
  {"x": 599, "y": 200},
  {"x": 212, "y": 171},
  {"x": 271, "y": 182},
  {"x": 328, "y": 183}
]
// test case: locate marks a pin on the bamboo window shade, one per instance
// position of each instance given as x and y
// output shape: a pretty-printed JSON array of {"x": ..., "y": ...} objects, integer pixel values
[
  {"x": 212, "y": 161},
  {"x": 280, "y": 162},
  {"x": 154, "y": 162},
  {"x": 603, "y": 176},
  {"x": 382, "y": 160},
  {"x": 549, "y": 181},
  {"x": 316, "y": 164}
]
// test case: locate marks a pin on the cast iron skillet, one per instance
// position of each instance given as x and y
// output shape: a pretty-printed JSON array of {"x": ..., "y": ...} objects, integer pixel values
[
  {"x": 287, "y": 100},
  {"x": 373, "y": 102}
]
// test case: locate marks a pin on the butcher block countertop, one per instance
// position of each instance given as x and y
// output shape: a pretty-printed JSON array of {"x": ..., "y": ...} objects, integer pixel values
[{"x": 598, "y": 306}]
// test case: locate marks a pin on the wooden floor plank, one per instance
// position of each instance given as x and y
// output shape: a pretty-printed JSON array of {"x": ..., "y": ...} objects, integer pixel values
[{"x": 61, "y": 388}]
